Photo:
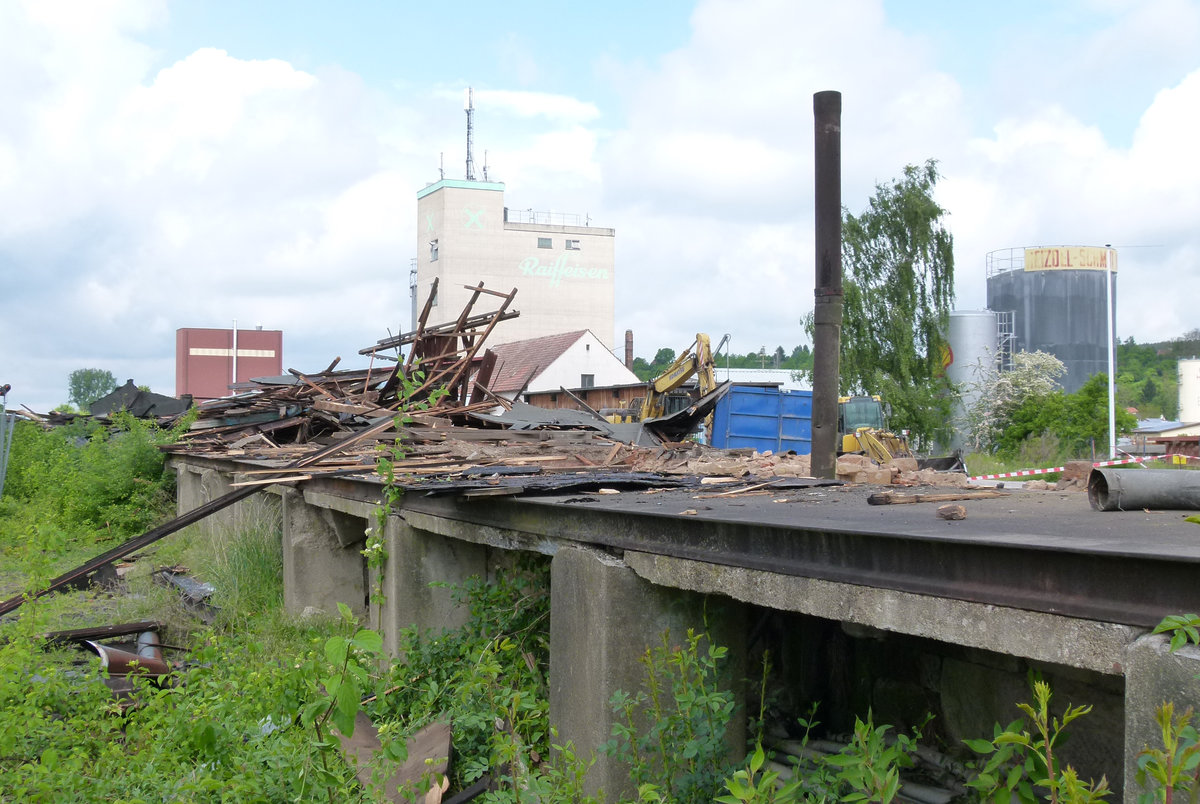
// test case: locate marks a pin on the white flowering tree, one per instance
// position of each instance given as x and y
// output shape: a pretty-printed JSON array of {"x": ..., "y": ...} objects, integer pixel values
[{"x": 998, "y": 394}]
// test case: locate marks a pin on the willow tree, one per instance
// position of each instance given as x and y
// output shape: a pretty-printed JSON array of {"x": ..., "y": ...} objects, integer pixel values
[{"x": 898, "y": 264}]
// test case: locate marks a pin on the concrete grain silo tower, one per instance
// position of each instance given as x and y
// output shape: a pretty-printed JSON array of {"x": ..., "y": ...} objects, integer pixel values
[{"x": 1059, "y": 298}]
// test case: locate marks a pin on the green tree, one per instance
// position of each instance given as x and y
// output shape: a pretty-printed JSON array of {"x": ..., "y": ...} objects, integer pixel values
[
  {"x": 1079, "y": 421},
  {"x": 664, "y": 357},
  {"x": 898, "y": 259},
  {"x": 999, "y": 395},
  {"x": 86, "y": 385},
  {"x": 1147, "y": 375}
]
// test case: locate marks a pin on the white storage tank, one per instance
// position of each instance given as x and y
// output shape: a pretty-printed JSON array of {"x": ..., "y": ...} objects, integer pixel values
[
  {"x": 972, "y": 340},
  {"x": 1189, "y": 390}
]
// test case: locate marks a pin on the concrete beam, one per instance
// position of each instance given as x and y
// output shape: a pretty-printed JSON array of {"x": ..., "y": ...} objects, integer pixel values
[
  {"x": 603, "y": 617},
  {"x": 1068, "y": 641},
  {"x": 1154, "y": 675},
  {"x": 500, "y": 538},
  {"x": 417, "y": 559},
  {"x": 318, "y": 569},
  {"x": 356, "y": 508}
]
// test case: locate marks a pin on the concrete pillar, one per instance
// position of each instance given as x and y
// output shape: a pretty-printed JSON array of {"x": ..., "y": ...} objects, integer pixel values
[
  {"x": 321, "y": 563},
  {"x": 213, "y": 485},
  {"x": 602, "y": 619},
  {"x": 417, "y": 559},
  {"x": 1154, "y": 675},
  {"x": 188, "y": 493},
  {"x": 196, "y": 486}
]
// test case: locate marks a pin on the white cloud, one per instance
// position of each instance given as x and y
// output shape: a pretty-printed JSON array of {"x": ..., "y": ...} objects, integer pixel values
[
  {"x": 723, "y": 125},
  {"x": 138, "y": 195},
  {"x": 215, "y": 188},
  {"x": 559, "y": 108}
]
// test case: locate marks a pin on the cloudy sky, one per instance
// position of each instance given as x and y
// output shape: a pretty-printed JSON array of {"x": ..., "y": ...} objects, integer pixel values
[{"x": 172, "y": 164}]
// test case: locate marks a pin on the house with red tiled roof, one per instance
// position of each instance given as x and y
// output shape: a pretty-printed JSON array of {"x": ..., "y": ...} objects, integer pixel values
[{"x": 566, "y": 360}]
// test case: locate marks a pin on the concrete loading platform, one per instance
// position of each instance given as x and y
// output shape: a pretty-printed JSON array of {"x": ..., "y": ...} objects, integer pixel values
[{"x": 886, "y": 607}]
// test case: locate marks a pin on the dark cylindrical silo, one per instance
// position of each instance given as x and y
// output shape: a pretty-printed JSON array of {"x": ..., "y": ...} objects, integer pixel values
[{"x": 1058, "y": 299}]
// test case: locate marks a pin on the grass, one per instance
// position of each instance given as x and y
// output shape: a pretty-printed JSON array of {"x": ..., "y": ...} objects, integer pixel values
[
  {"x": 983, "y": 464},
  {"x": 199, "y": 741}
]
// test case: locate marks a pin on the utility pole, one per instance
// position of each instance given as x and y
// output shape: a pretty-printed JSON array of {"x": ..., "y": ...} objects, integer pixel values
[{"x": 827, "y": 311}]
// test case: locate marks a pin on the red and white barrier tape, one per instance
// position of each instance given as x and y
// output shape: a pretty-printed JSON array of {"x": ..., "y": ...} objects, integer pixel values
[
  {"x": 1120, "y": 461},
  {"x": 1022, "y": 473},
  {"x": 1051, "y": 470}
]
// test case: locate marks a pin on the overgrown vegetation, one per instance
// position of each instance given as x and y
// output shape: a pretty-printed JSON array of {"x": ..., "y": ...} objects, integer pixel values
[
  {"x": 254, "y": 711},
  {"x": 1021, "y": 762},
  {"x": 1174, "y": 768},
  {"x": 1022, "y": 416},
  {"x": 92, "y": 481},
  {"x": 672, "y": 732},
  {"x": 222, "y": 730},
  {"x": 492, "y": 670}
]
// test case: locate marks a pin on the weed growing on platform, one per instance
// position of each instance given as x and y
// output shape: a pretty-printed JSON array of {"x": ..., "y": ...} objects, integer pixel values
[
  {"x": 1021, "y": 761},
  {"x": 488, "y": 677},
  {"x": 375, "y": 549},
  {"x": 1175, "y": 767},
  {"x": 671, "y": 732},
  {"x": 1183, "y": 628}
]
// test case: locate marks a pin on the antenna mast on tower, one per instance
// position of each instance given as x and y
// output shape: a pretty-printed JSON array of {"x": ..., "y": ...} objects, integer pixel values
[{"x": 470, "y": 108}]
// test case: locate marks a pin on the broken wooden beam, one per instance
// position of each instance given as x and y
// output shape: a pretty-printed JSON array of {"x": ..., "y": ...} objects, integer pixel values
[{"x": 896, "y": 498}]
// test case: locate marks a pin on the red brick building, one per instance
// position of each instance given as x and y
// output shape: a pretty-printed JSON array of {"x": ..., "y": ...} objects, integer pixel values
[{"x": 206, "y": 363}]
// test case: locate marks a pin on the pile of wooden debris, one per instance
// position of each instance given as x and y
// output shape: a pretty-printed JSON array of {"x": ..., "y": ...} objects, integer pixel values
[{"x": 427, "y": 407}]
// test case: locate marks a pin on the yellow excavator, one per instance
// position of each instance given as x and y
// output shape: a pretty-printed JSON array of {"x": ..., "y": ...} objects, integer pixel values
[
  {"x": 662, "y": 398},
  {"x": 862, "y": 430}
]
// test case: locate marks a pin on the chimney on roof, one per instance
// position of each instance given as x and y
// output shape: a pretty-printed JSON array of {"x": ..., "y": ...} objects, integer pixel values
[{"x": 629, "y": 349}]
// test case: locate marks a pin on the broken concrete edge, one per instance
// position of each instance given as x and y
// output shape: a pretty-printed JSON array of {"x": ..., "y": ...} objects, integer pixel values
[{"x": 1154, "y": 675}]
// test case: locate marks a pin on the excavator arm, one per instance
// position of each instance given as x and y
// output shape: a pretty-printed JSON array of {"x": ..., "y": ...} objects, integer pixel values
[{"x": 696, "y": 360}]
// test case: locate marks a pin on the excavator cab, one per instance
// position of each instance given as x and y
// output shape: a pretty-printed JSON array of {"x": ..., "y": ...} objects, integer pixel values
[
  {"x": 859, "y": 411},
  {"x": 862, "y": 429}
]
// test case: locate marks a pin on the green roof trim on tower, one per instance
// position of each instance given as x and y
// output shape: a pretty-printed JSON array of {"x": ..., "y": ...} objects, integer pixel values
[{"x": 461, "y": 184}]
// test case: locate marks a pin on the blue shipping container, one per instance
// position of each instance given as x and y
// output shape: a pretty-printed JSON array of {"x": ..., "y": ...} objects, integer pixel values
[{"x": 765, "y": 419}]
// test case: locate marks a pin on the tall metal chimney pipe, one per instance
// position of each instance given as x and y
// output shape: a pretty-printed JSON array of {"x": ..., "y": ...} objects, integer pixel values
[
  {"x": 629, "y": 349},
  {"x": 827, "y": 311}
]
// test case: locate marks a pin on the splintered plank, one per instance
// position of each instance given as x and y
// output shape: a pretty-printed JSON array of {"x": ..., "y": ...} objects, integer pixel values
[
  {"x": 896, "y": 498},
  {"x": 333, "y": 406},
  {"x": 428, "y": 758}
]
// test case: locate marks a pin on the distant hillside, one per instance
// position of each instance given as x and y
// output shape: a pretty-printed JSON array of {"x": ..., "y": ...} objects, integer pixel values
[
  {"x": 1147, "y": 373},
  {"x": 1148, "y": 377}
]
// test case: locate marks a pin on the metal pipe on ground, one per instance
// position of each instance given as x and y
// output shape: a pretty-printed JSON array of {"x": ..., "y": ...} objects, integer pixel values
[
  {"x": 122, "y": 663},
  {"x": 1112, "y": 489},
  {"x": 827, "y": 312}
]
